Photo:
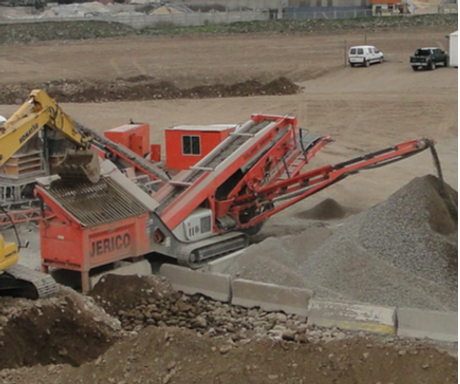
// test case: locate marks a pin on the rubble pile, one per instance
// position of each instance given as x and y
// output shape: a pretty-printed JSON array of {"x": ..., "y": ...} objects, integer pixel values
[{"x": 150, "y": 301}]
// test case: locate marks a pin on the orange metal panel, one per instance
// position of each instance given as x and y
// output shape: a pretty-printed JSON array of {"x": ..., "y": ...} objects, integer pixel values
[
  {"x": 81, "y": 249},
  {"x": 133, "y": 136},
  {"x": 155, "y": 152}
]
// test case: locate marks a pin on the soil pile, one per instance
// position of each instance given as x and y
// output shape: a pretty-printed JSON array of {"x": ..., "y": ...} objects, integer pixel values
[
  {"x": 176, "y": 338},
  {"x": 172, "y": 355},
  {"x": 142, "y": 88},
  {"x": 67, "y": 329},
  {"x": 402, "y": 252}
]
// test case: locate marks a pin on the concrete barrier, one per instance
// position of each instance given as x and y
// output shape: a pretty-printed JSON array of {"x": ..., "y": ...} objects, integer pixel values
[
  {"x": 436, "y": 325},
  {"x": 222, "y": 264},
  {"x": 352, "y": 316},
  {"x": 270, "y": 297},
  {"x": 215, "y": 285}
]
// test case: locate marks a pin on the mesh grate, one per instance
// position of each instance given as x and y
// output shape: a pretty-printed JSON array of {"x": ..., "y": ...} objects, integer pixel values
[{"x": 94, "y": 204}]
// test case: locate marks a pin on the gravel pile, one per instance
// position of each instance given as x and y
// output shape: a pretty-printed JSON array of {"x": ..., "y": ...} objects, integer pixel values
[{"x": 402, "y": 252}]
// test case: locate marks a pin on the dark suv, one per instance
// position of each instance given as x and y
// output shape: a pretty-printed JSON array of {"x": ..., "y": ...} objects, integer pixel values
[{"x": 429, "y": 58}]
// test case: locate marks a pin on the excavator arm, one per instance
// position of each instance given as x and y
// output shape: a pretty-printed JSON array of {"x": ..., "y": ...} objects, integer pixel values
[{"x": 39, "y": 111}]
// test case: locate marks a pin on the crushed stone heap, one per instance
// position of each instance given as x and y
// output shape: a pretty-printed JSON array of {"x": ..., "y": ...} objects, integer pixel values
[{"x": 401, "y": 252}]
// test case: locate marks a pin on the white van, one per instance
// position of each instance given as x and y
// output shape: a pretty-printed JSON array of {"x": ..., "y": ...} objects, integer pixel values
[{"x": 364, "y": 55}]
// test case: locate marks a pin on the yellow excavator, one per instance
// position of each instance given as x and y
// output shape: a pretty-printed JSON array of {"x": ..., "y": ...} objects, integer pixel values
[
  {"x": 38, "y": 112},
  {"x": 41, "y": 111},
  {"x": 19, "y": 281}
]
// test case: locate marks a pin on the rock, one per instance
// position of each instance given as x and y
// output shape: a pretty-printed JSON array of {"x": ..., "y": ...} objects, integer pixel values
[
  {"x": 200, "y": 322},
  {"x": 288, "y": 335},
  {"x": 301, "y": 338},
  {"x": 281, "y": 317},
  {"x": 225, "y": 349}
]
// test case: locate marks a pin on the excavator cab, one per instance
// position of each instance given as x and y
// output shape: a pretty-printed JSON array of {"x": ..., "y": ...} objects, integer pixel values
[
  {"x": 9, "y": 284},
  {"x": 79, "y": 166},
  {"x": 8, "y": 253}
]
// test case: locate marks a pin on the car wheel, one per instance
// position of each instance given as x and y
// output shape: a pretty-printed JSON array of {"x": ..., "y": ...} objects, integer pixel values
[
  {"x": 352, "y": 64},
  {"x": 432, "y": 66},
  {"x": 446, "y": 62},
  {"x": 381, "y": 60},
  {"x": 415, "y": 68},
  {"x": 366, "y": 63}
]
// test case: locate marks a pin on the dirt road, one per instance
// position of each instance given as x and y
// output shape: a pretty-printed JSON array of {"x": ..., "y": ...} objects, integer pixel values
[{"x": 364, "y": 109}]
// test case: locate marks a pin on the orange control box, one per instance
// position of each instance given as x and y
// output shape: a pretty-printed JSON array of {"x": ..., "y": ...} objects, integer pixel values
[
  {"x": 188, "y": 144},
  {"x": 136, "y": 137}
]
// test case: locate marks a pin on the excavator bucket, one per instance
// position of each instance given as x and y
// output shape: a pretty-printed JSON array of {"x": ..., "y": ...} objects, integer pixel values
[{"x": 80, "y": 165}]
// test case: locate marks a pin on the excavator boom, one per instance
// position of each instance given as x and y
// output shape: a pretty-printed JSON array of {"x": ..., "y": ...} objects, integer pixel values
[{"x": 41, "y": 111}]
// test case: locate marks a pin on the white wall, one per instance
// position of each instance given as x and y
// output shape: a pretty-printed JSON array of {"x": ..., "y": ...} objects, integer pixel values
[{"x": 453, "y": 49}]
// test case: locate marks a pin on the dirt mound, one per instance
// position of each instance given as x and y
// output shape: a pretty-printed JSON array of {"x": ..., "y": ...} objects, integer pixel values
[
  {"x": 172, "y": 355},
  {"x": 67, "y": 329},
  {"x": 142, "y": 87},
  {"x": 328, "y": 209}
]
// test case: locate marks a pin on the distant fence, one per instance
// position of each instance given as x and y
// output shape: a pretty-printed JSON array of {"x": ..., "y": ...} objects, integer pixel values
[
  {"x": 326, "y": 13},
  {"x": 141, "y": 20}
]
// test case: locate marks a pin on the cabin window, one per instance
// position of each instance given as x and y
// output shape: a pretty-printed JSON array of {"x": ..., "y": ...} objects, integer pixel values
[{"x": 191, "y": 145}]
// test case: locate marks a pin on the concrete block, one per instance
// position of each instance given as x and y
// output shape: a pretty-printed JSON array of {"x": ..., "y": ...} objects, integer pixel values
[
  {"x": 214, "y": 285},
  {"x": 137, "y": 268},
  {"x": 435, "y": 325},
  {"x": 222, "y": 264},
  {"x": 270, "y": 297},
  {"x": 352, "y": 316}
]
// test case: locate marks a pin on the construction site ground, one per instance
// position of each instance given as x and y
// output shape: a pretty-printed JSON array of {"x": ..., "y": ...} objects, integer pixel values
[{"x": 363, "y": 109}]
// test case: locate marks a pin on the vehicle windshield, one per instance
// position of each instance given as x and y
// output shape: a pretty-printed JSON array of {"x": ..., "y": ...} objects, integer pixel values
[{"x": 422, "y": 52}]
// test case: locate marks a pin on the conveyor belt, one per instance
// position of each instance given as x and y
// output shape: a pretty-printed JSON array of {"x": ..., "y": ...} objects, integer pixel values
[
  {"x": 143, "y": 164},
  {"x": 210, "y": 162}
]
